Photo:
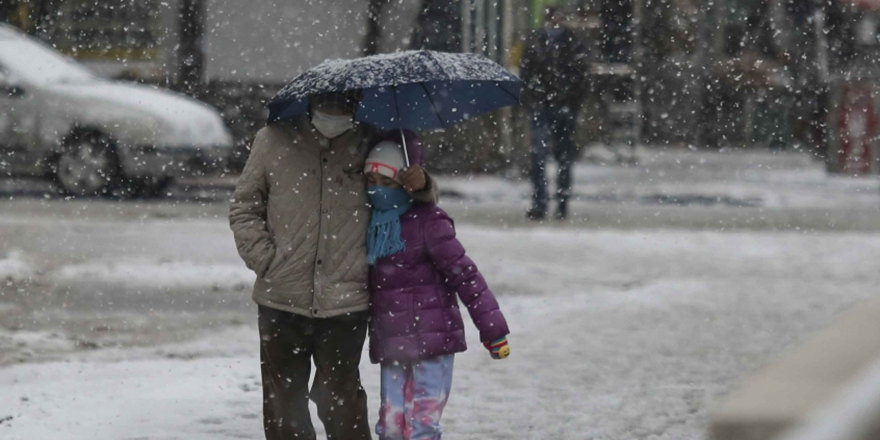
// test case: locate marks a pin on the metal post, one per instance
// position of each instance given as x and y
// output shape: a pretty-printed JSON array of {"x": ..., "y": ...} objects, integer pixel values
[
  {"x": 707, "y": 48},
  {"x": 480, "y": 27},
  {"x": 507, "y": 30},
  {"x": 466, "y": 25},
  {"x": 43, "y": 18},
  {"x": 506, "y": 114},
  {"x": 191, "y": 56},
  {"x": 492, "y": 34},
  {"x": 374, "y": 27},
  {"x": 637, "y": 60}
]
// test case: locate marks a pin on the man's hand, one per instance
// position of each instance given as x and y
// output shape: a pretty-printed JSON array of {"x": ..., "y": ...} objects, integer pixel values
[{"x": 413, "y": 179}]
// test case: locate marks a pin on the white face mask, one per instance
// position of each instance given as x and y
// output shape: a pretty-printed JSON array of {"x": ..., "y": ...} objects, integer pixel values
[{"x": 329, "y": 125}]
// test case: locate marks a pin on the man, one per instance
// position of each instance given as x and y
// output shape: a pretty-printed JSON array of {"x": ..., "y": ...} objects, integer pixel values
[
  {"x": 299, "y": 215},
  {"x": 554, "y": 71}
]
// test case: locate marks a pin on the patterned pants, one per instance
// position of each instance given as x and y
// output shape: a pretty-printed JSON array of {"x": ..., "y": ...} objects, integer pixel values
[{"x": 413, "y": 397}]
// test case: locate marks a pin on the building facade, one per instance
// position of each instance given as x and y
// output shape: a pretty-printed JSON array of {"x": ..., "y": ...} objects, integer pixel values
[{"x": 263, "y": 41}]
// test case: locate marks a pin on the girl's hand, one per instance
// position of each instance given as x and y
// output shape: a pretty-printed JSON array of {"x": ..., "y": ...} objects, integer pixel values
[
  {"x": 413, "y": 179},
  {"x": 498, "y": 348}
]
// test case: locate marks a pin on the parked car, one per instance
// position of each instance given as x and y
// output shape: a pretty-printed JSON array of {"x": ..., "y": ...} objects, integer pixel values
[{"x": 95, "y": 136}]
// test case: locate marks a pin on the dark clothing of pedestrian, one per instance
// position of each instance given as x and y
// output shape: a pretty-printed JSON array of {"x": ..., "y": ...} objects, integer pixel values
[
  {"x": 554, "y": 69},
  {"x": 287, "y": 344},
  {"x": 552, "y": 130}
]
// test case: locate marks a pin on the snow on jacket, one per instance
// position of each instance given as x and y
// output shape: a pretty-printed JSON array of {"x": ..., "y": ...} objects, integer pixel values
[
  {"x": 299, "y": 215},
  {"x": 414, "y": 308}
]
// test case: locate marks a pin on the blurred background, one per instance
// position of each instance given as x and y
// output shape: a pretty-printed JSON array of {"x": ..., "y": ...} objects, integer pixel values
[
  {"x": 725, "y": 207},
  {"x": 762, "y": 74}
]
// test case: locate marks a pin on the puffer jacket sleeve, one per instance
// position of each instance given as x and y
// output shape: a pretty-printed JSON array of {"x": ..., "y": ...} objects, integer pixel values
[
  {"x": 430, "y": 193},
  {"x": 463, "y": 277},
  {"x": 247, "y": 211}
]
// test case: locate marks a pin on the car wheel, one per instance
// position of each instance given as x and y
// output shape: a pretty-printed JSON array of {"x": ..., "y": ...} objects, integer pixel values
[{"x": 88, "y": 166}]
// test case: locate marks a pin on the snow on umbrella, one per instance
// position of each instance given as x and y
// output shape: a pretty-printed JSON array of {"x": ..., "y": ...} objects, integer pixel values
[{"x": 413, "y": 89}]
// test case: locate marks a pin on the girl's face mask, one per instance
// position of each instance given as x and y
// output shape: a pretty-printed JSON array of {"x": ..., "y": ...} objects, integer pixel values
[
  {"x": 331, "y": 126},
  {"x": 384, "y": 198}
]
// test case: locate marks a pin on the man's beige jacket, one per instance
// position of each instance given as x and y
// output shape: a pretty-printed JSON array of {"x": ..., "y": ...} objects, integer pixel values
[{"x": 300, "y": 215}]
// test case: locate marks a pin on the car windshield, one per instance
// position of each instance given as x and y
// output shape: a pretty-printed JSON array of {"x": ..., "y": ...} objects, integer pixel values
[{"x": 35, "y": 62}]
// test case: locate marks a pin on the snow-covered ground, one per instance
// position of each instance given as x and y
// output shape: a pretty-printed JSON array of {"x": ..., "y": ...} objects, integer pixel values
[
  {"x": 131, "y": 321},
  {"x": 615, "y": 335},
  {"x": 158, "y": 274},
  {"x": 757, "y": 178},
  {"x": 14, "y": 269}
]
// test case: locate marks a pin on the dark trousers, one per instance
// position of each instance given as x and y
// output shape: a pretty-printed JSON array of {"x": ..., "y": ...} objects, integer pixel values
[
  {"x": 552, "y": 129},
  {"x": 288, "y": 342}
]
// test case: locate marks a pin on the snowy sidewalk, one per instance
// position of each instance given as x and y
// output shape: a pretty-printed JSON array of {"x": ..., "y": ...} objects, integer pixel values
[
  {"x": 616, "y": 335},
  {"x": 680, "y": 177}
]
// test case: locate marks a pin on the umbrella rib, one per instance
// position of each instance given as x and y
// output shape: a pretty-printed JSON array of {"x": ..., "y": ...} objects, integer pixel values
[
  {"x": 396, "y": 105},
  {"x": 439, "y": 66},
  {"x": 506, "y": 91},
  {"x": 431, "y": 100}
]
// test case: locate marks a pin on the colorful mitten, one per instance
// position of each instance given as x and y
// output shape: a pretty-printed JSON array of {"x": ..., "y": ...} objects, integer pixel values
[{"x": 498, "y": 348}]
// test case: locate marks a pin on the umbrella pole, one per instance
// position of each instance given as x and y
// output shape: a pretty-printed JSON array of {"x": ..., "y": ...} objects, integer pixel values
[
  {"x": 402, "y": 137},
  {"x": 405, "y": 154}
]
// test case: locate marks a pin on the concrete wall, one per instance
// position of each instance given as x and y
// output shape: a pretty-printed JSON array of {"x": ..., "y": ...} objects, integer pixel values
[
  {"x": 272, "y": 41},
  {"x": 803, "y": 381}
]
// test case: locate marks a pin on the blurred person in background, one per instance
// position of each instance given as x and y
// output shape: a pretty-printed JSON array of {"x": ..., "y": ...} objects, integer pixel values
[
  {"x": 554, "y": 70},
  {"x": 299, "y": 215}
]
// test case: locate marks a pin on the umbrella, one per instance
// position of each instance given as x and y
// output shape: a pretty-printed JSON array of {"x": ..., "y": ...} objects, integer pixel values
[{"x": 413, "y": 89}]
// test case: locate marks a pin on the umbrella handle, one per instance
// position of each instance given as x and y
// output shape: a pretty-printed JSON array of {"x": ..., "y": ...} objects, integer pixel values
[{"x": 405, "y": 154}]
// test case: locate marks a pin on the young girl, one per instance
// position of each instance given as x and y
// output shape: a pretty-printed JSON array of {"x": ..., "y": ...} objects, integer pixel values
[{"x": 417, "y": 268}]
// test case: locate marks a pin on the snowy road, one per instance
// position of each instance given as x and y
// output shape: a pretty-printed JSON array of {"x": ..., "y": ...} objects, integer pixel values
[
  {"x": 616, "y": 335},
  {"x": 134, "y": 321}
]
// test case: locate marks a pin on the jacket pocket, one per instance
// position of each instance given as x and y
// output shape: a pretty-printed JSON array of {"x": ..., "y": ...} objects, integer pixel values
[
  {"x": 277, "y": 259},
  {"x": 261, "y": 262}
]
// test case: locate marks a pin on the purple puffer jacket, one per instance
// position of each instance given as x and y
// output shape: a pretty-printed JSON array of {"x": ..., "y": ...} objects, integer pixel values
[{"x": 414, "y": 307}]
